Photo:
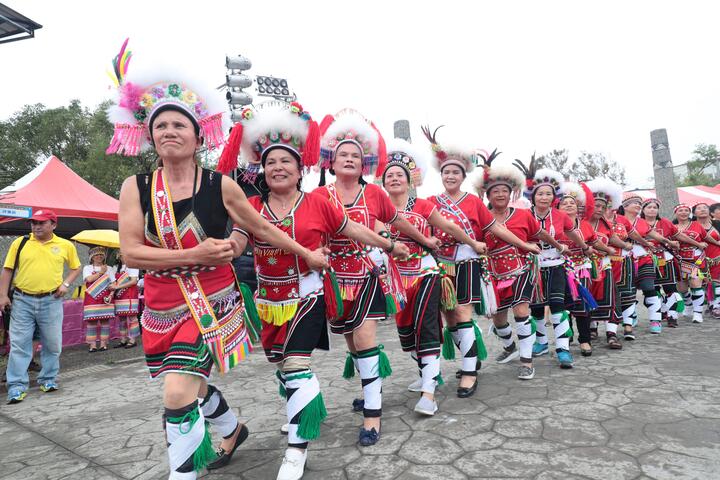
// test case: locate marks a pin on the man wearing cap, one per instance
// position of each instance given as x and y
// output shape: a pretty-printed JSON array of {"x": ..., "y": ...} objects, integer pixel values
[{"x": 39, "y": 290}]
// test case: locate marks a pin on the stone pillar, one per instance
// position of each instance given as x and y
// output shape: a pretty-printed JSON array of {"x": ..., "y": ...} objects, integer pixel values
[
  {"x": 665, "y": 188},
  {"x": 402, "y": 130}
]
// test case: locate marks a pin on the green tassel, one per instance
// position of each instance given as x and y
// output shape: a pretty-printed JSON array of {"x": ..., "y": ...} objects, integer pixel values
[
  {"x": 311, "y": 417},
  {"x": 205, "y": 453},
  {"x": 533, "y": 325},
  {"x": 390, "y": 307},
  {"x": 349, "y": 370},
  {"x": 593, "y": 270},
  {"x": 337, "y": 293},
  {"x": 281, "y": 384},
  {"x": 384, "y": 369},
  {"x": 448, "y": 347},
  {"x": 481, "y": 350},
  {"x": 439, "y": 380},
  {"x": 681, "y": 305},
  {"x": 254, "y": 324}
]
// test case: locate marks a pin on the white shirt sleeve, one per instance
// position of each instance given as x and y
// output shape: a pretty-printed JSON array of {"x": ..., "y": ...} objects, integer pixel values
[{"x": 87, "y": 271}]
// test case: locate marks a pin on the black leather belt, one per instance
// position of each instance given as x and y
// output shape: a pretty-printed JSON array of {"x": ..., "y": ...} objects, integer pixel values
[{"x": 37, "y": 295}]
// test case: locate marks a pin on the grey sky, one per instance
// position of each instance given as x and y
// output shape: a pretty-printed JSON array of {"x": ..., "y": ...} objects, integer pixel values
[{"x": 520, "y": 76}]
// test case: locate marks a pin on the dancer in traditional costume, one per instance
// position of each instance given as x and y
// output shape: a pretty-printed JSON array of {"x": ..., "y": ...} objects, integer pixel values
[
  {"x": 605, "y": 193},
  {"x": 369, "y": 282},
  {"x": 419, "y": 324},
  {"x": 127, "y": 303},
  {"x": 701, "y": 212},
  {"x": 691, "y": 258},
  {"x": 644, "y": 265},
  {"x": 667, "y": 271},
  {"x": 542, "y": 189},
  {"x": 513, "y": 267},
  {"x": 98, "y": 308},
  {"x": 292, "y": 300},
  {"x": 577, "y": 202},
  {"x": 172, "y": 223},
  {"x": 463, "y": 265}
]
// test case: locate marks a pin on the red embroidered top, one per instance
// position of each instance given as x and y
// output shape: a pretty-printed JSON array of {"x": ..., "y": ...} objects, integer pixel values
[
  {"x": 588, "y": 233},
  {"x": 505, "y": 259},
  {"x": 695, "y": 231},
  {"x": 417, "y": 213},
  {"x": 621, "y": 227},
  {"x": 311, "y": 222},
  {"x": 470, "y": 214},
  {"x": 556, "y": 223},
  {"x": 371, "y": 204}
]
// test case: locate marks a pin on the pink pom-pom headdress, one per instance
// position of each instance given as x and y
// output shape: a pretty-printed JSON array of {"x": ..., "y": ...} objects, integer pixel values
[
  {"x": 140, "y": 99},
  {"x": 349, "y": 126}
]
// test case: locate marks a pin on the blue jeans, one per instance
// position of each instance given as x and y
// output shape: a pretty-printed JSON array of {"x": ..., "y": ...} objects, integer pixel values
[{"x": 47, "y": 314}]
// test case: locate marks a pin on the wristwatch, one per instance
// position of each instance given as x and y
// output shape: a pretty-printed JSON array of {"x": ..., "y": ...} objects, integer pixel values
[{"x": 66, "y": 285}]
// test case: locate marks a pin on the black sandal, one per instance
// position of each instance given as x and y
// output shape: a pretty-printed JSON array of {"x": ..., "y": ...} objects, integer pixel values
[
  {"x": 92, "y": 350},
  {"x": 102, "y": 349},
  {"x": 121, "y": 345},
  {"x": 131, "y": 345},
  {"x": 224, "y": 457}
]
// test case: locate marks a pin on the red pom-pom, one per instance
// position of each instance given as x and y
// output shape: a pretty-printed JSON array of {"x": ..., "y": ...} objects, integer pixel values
[
  {"x": 229, "y": 156},
  {"x": 589, "y": 201},
  {"x": 325, "y": 124},
  {"x": 311, "y": 152},
  {"x": 382, "y": 153}
]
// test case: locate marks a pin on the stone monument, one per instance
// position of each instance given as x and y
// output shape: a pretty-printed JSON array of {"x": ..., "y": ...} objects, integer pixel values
[{"x": 665, "y": 188}]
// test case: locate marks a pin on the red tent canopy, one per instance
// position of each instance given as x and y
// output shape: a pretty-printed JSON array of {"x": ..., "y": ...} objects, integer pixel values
[
  {"x": 688, "y": 195},
  {"x": 53, "y": 185}
]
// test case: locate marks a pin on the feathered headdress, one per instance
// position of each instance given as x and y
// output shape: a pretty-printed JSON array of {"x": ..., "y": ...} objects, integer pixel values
[
  {"x": 447, "y": 155},
  {"x": 414, "y": 159},
  {"x": 348, "y": 126},
  {"x": 632, "y": 198},
  {"x": 536, "y": 178},
  {"x": 605, "y": 190},
  {"x": 142, "y": 95},
  {"x": 495, "y": 174},
  {"x": 582, "y": 195},
  {"x": 277, "y": 125}
]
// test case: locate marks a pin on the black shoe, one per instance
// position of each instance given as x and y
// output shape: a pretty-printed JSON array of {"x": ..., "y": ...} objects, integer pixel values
[
  {"x": 120, "y": 345},
  {"x": 225, "y": 457},
  {"x": 464, "y": 392},
  {"x": 358, "y": 405}
]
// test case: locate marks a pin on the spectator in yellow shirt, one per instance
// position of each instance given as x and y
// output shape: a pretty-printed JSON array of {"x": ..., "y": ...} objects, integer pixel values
[{"x": 39, "y": 288}]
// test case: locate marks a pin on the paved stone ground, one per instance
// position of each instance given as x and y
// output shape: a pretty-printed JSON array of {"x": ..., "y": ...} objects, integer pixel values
[{"x": 650, "y": 411}]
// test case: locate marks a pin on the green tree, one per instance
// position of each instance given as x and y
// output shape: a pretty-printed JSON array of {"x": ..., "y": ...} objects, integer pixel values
[
  {"x": 702, "y": 169},
  {"x": 76, "y": 136},
  {"x": 556, "y": 160},
  {"x": 591, "y": 165}
]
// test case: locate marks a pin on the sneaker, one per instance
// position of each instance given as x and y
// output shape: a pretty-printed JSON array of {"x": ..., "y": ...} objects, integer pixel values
[
  {"x": 629, "y": 335},
  {"x": 526, "y": 373},
  {"x": 697, "y": 318},
  {"x": 16, "y": 395},
  {"x": 506, "y": 356},
  {"x": 416, "y": 386},
  {"x": 48, "y": 387},
  {"x": 540, "y": 349},
  {"x": 655, "y": 327},
  {"x": 293, "y": 464},
  {"x": 565, "y": 358},
  {"x": 426, "y": 406}
]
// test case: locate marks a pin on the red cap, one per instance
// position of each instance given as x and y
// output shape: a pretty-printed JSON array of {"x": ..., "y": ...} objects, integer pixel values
[{"x": 44, "y": 214}]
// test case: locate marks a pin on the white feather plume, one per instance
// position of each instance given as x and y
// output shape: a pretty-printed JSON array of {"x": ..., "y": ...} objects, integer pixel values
[
  {"x": 275, "y": 118},
  {"x": 574, "y": 190},
  {"x": 349, "y": 120},
  {"x": 610, "y": 189}
]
